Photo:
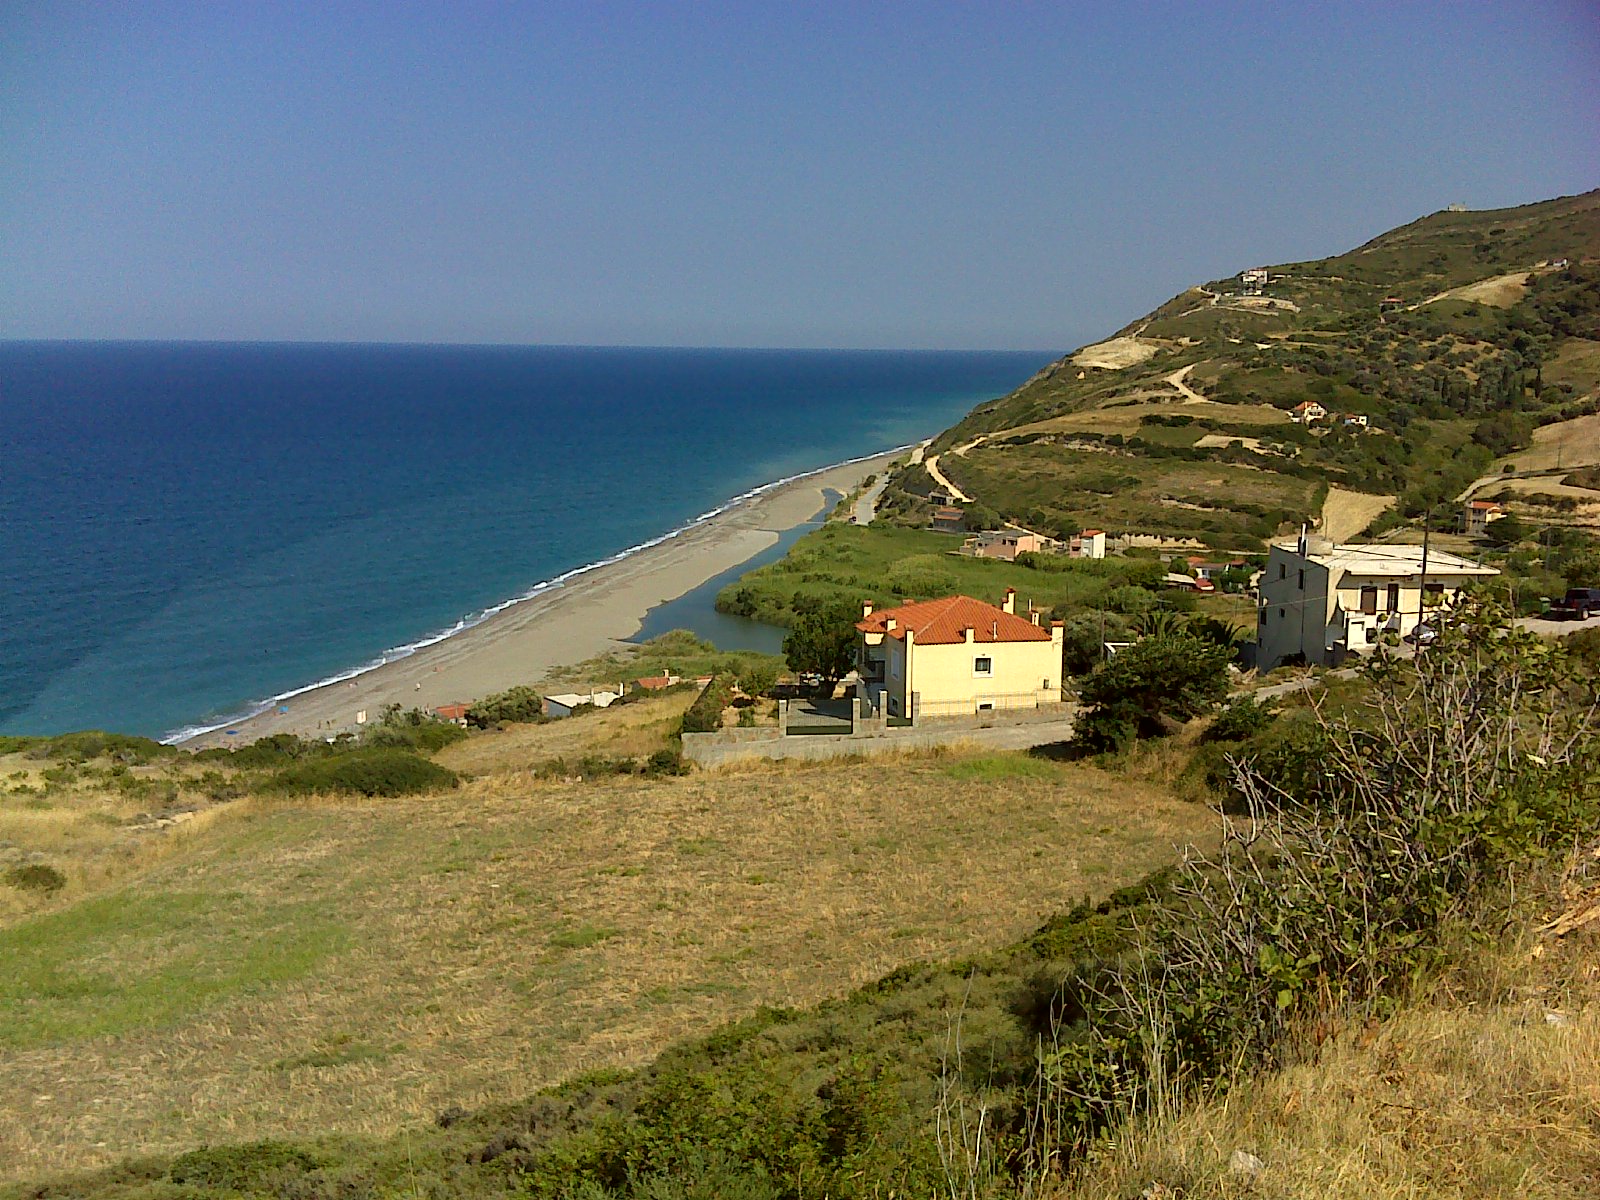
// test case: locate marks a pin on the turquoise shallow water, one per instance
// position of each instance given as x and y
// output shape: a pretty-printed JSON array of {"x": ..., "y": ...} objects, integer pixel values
[{"x": 187, "y": 529}]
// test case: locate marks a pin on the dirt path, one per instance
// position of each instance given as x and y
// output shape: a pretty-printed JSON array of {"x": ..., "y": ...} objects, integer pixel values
[
  {"x": 931, "y": 464},
  {"x": 1177, "y": 380},
  {"x": 1345, "y": 514}
]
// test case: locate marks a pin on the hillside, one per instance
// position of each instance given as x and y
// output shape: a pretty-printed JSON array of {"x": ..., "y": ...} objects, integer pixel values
[{"x": 1456, "y": 337}]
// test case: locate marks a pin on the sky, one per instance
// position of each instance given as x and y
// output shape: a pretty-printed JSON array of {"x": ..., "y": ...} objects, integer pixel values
[{"x": 931, "y": 175}]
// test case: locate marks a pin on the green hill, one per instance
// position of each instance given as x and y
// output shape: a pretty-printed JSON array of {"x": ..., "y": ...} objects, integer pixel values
[{"x": 1438, "y": 333}]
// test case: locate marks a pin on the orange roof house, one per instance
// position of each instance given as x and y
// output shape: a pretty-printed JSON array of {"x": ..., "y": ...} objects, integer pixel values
[{"x": 956, "y": 656}]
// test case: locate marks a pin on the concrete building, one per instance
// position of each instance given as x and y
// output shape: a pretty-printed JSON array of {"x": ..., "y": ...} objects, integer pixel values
[
  {"x": 1091, "y": 543},
  {"x": 1306, "y": 412},
  {"x": 955, "y": 656},
  {"x": 1325, "y": 601},
  {"x": 565, "y": 704},
  {"x": 1252, "y": 282},
  {"x": 1006, "y": 544},
  {"x": 1476, "y": 516}
]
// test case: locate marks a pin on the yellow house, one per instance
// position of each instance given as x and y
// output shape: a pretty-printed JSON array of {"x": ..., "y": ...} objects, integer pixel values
[{"x": 955, "y": 656}]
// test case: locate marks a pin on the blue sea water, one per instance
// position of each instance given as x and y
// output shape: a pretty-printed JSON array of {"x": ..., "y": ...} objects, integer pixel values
[{"x": 187, "y": 529}]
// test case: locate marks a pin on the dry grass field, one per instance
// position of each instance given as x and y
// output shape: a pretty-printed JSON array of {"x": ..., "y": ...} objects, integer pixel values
[{"x": 301, "y": 967}]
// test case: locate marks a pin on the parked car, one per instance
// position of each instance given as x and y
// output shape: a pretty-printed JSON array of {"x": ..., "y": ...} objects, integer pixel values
[
  {"x": 1576, "y": 605},
  {"x": 1423, "y": 635}
]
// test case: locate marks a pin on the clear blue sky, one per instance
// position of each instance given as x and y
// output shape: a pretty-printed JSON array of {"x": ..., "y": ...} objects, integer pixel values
[{"x": 872, "y": 174}]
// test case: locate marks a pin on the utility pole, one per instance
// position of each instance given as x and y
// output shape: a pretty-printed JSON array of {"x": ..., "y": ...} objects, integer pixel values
[{"x": 1422, "y": 593}]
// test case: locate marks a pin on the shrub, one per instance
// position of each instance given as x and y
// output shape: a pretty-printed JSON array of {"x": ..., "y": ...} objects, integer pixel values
[
  {"x": 705, "y": 714},
  {"x": 1242, "y": 719},
  {"x": 1149, "y": 687},
  {"x": 371, "y": 772},
  {"x": 519, "y": 704},
  {"x": 252, "y": 1168},
  {"x": 36, "y": 877}
]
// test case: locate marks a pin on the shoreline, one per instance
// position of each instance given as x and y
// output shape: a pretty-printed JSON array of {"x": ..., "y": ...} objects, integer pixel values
[{"x": 576, "y": 615}]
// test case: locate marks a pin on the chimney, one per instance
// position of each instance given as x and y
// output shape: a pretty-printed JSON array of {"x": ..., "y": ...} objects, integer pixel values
[
  {"x": 890, "y": 624},
  {"x": 971, "y": 634},
  {"x": 1009, "y": 604},
  {"x": 1033, "y": 614},
  {"x": 866, "y": 609}
]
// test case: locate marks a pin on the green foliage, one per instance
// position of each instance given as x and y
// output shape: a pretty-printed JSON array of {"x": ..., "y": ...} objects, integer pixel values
[
  {"x": 1148, "y": 687},
  {"x": 705, "y": 714},
  {"x": 89, "y": 744},
  {"x": 1084, "y": 636},
  {"x": 369, "y": 772},
  {"x": 257, "y": 1167},
  {"x": 518, "y": 705},
  {"x": 822, "y": 641},
  {"x": 35, "y": 877},
  {"x": 1239, "y": 721},
  {"x": 757, "y": 678}
]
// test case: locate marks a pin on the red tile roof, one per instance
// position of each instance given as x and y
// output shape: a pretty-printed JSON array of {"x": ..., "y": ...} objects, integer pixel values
[
  {"x": 652, "y": 683},
  {"x": 452, "y": 712},
  {"x": 945, "y": 622},
  {"x": 1484, "y": 505}
]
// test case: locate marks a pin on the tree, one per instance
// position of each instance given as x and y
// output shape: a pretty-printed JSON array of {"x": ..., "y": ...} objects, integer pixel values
[
  {"x": 1507, "y": 531},
  {"x": 756, "y": 678},
  {"x": 1151, "y": 687},
  {"x": 822, "y": 639}
]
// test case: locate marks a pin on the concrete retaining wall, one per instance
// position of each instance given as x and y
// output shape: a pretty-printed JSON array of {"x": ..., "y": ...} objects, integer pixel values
[{"x": 999, "y": 733}]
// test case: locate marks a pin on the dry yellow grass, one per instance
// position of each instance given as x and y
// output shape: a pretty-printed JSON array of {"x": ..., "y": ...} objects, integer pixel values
[
  {"x": 1346, "y": 513},
  {"x": 1564, "y": 445},
  {"x": 630, "y": 730},
  {"x": 475, "y": 946},
  {"x": 1471, "y": 1097}
]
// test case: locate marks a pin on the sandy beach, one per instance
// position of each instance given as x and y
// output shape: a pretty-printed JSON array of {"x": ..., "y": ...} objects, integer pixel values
[{"x": 585, "y": 616}]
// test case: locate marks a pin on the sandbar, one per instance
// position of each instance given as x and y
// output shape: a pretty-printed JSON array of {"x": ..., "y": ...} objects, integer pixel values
[{"x": 585, "y": 616}]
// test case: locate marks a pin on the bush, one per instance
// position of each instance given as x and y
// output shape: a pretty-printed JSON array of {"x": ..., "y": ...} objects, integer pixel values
[
  {"x": 705, "y": 714},
  {"x": 36, "y": 877},
  {"x": 519, "y": 704},
  {"x": 371, "y": 772},
  {"x": 258, "y": 1167},
  {"x": 93, "y": 743},
  {"x": 1149, "y": 687},
  {"x": 1242, "y": 719}
]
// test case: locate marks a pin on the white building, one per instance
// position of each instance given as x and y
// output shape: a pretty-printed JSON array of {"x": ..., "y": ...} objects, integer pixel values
[
  {"x": 565, "y": 704},
  {"x": 1252, "y": 282},
  {"x": 1326, "y": 601},
  {"x": 1091, "y": 543}
]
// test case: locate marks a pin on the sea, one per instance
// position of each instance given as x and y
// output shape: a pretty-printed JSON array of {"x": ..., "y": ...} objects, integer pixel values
[{"x": 190, "y": 531}]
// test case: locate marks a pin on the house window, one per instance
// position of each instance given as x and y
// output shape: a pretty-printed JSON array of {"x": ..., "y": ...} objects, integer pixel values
[
  {"x": 1369, "y": 599},
  {"x": 986, "y": 706},
  {"x": 1263, "y": 616},
  {"x": 1280, "y": 614},
  {"x": 983, "y": 666},
  {"x": 1434, "y": 592},
  {"x": 1302, "y": 580},
  {"x": 1394, "y": 597},
  {"x": 1283, "y": 570}
]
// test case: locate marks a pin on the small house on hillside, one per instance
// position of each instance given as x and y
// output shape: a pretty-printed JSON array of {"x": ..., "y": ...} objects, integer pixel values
[
  {"x": 1326, "y": 601},
  {"x": 1353, "y": 420},
  {"x": 1306, "y": 412},
  {"x": 455, "y": 714},
  {"x": 949, "y": 519},
  {"x": 1252, "y": 282},
  {"x": 565, "y": 704},
  {"x": 1476, "y": 516},
  {"x": 656, "y": 683},
  {"x": 1006, "y": 544},
  {"x": 1091, "y": 543},
  {"x": 955, "y": 656}
]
